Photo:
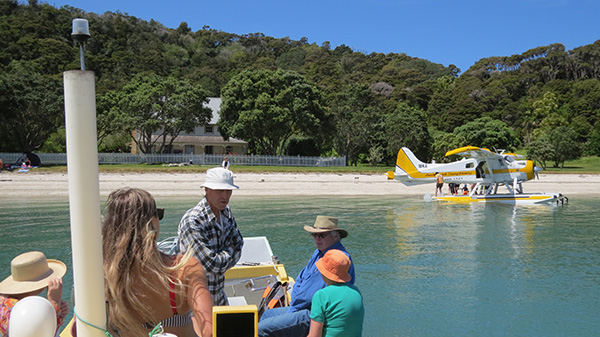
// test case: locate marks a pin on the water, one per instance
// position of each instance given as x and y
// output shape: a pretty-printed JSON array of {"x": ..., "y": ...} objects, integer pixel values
[{"x": 424, "y": 268}]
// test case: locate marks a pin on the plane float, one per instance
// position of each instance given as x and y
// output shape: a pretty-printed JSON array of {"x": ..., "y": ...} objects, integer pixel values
[{"x": 481, "y": 170}]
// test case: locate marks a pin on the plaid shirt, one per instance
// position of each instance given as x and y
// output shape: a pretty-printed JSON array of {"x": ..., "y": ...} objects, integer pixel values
[{"x": 217, "y": 246}]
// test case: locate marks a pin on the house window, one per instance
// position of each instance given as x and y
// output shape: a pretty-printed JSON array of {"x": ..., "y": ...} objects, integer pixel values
[
  {"x": 208, "y": 149},
  {"x": 189, "y": 149},
  {"x": 208, "y": 129},
  {"x": 228, "y": 149}
]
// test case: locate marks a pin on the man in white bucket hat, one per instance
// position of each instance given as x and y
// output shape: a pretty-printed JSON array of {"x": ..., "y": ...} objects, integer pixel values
[{"x": 211, "y": 231}]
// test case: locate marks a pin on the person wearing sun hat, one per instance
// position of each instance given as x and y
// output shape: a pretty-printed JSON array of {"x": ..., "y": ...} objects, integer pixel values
[
  {"x": 295, "y": 319},
  {"x": 30, "y": 274},
  {"x": 211, "y": 231},
  {"x": 337, "y": 310}
]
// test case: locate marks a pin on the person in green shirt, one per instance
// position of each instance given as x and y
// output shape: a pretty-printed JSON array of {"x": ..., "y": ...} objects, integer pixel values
[{"x": 337, "y": 310}]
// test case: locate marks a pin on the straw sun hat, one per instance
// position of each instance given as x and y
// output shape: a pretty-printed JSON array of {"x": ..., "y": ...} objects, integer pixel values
[
  {"x": 30, "y": 272},
  {"x": 325, "y": 224},
  {"x": 219, "y": 178}
]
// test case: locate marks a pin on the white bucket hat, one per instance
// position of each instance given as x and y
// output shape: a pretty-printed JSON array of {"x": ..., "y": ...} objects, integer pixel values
[{"x": 219, "y": 178}]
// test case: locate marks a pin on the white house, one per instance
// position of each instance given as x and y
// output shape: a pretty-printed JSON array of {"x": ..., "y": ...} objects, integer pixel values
[{"x": 205, "y": 139}]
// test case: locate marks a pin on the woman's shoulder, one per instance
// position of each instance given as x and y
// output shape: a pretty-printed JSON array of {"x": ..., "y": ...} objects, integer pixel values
[{"x": 191, "y": 269}]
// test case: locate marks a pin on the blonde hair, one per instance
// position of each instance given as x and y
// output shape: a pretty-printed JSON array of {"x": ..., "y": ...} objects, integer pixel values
[{"x": 132, "y": 260}]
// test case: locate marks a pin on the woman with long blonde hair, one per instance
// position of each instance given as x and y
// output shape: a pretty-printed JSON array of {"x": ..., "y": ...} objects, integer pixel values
[{"x": 145, "y": 288}]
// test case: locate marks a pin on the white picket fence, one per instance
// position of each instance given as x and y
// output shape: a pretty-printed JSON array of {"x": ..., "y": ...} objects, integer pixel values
[{"x": 197, "y": 159}]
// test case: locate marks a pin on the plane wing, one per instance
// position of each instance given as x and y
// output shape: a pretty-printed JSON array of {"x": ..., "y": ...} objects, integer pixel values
[{"x": 474, "y": 152}]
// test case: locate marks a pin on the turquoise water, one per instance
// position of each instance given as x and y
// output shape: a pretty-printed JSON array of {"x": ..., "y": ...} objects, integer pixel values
[{"x": 425, "y": 269}]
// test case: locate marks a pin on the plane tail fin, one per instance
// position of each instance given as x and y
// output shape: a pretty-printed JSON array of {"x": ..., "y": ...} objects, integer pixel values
[{"x": 407, "y": 168}]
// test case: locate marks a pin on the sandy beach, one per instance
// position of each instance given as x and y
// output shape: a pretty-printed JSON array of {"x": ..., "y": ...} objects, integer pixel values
[{"x": 271, "y": 184}]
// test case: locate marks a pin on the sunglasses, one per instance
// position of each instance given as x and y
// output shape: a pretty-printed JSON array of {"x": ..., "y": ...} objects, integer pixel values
[
  {"x": 160, "y": 213},
  {"x": 320, "y": 235}
]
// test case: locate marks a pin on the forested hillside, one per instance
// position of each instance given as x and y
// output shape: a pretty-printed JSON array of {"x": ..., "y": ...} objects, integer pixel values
[{"x": 290, "y": 97}]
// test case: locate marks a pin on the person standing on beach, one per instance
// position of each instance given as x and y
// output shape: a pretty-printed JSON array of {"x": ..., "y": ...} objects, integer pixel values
[
  {"x": 294, "y": 321},
  {"x": 210, "y": 230},
  {"x": 439, "y": 183},
  {"x": 225, "y": 163}
]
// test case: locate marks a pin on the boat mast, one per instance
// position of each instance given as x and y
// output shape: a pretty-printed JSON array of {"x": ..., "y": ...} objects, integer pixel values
[{"x": 84, "y": 193}]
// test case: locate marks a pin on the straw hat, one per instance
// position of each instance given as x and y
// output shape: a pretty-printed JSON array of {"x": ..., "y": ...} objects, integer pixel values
[
  {"x": 31, "y": 271},
  {"x": 325, "y": 224},
  {"x": 335, "y": 265},
  {"x": 219, "y": 178}
]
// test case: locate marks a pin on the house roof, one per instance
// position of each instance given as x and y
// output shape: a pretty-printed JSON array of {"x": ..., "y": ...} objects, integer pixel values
[{"x": 206, "y": 140}]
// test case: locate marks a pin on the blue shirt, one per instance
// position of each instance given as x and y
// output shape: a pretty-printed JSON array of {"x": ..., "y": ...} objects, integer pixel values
[{"x": 309, "y": 280}]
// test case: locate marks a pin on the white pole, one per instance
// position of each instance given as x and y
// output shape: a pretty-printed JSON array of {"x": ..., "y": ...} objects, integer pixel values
[{"x": 84, "y": 201}]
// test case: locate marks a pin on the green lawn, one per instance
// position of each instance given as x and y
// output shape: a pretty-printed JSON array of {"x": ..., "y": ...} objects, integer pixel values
[{"x": 588, "y": 165}]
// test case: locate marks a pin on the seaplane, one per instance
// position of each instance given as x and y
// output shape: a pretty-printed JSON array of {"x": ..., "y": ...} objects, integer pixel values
[{"x": 482, "y": 172}]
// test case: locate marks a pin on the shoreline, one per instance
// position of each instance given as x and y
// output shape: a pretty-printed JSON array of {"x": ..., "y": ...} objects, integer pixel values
[{"x": 49, "y": 184}]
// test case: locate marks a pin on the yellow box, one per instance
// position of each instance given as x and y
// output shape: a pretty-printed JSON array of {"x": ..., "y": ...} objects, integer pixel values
[{"x": 235, "y": 321}]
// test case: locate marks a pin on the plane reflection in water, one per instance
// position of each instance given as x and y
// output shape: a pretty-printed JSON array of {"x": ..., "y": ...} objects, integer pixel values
[{"x": 482, "y": 170}]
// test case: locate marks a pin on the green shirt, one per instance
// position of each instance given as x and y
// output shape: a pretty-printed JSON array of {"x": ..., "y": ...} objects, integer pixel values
[{"x": 340, "y": 308}]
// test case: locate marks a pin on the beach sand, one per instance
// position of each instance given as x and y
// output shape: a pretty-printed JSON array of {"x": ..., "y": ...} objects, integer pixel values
[{"x": 271, "y": 184}]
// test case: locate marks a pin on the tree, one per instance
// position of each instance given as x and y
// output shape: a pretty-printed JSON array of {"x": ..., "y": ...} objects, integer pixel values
[
  {"x": 266, "y": 108},
  {"x": 556, "y": 145},
  {"x": 31, "y": 108},
  {"x": 355, "y": 116},
  {"x": 407, "y": 127},
  {"x": 488, "y": 132},
  {"x": 150, "y": 104},
  {"x": 594, "y": 142},
  {"x": 563, "y": 140}
]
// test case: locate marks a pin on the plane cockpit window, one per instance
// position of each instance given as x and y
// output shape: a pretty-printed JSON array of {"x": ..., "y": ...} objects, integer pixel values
[
  {"x": 469, "y": 165},
  {"x": 509, "y": 159}
]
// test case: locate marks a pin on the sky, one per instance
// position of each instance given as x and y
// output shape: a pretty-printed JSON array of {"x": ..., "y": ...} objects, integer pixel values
[{"x": 459, "y": 32}]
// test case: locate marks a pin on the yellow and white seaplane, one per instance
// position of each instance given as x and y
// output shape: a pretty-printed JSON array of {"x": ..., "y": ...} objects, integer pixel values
[{"x": 480, "y": 170}]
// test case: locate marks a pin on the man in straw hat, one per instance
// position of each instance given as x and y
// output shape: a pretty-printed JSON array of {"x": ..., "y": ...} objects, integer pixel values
[
  {"x": 30, "y": 274},
  {"x": 211, "y": 231},
  {"x": 295, "y": 319},
  {"x": 337, "y": 309}
]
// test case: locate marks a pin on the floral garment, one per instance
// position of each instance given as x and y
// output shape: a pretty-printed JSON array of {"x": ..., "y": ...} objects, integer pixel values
[{"x": 6, "y": 305}]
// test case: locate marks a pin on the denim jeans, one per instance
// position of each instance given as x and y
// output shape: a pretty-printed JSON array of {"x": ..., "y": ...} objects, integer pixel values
[{"x": 277, "y": 322}]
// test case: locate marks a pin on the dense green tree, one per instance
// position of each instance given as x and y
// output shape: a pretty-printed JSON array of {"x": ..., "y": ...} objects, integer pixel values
[
  {"x": 513, "y": 89},
  {"x": 593, "y": 147},
  {"x": 355, "y": 118},
  {"x": 268, "y": 107},
  {"x": 407, "y": 127},
  {"x": 489, "y": 133},
  {"x": 540, "y": 151},
  {"x": 150, "y": 103},
  {"x": 444, "y": 142},
  {"x": 31, "y": 108},
  {"x": 555, "y": 145}
]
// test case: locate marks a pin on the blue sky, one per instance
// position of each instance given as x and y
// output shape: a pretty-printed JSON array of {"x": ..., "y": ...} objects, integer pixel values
[{"x": 458, "y": 32}]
